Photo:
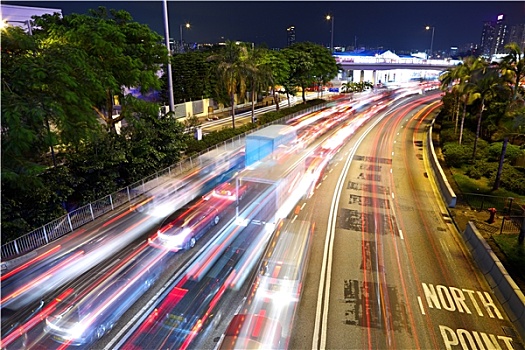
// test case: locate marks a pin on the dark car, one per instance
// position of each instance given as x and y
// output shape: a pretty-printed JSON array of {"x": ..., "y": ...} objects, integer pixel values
[{"x": 183, "y": 231}]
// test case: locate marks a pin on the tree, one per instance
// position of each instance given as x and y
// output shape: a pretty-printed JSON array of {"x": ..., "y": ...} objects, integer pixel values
[
  {"x": 259, "y": 74},
  {"x": 46, "y": 100},
  {"x": 462, "y": 74},
  {"x": 513, "y": 68},
  {"x": 232, "y": 70},
  {"x": 120, "y": 53},
  {"x": 311, "y": 64},
  {"x": 296, "y": 60},
  {"x": 487, "y": 84},
  {"x": 280, "y": 70},
  {"x": 191, "y": 76},
  {"x": 514, "y": 65}
]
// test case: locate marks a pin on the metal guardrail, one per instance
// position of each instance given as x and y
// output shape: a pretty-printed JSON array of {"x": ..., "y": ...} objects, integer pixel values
[
  {"x": 512, "y": 224},
  {"x": 503, "y": 205},
  {"x": 127, "y": 195}
]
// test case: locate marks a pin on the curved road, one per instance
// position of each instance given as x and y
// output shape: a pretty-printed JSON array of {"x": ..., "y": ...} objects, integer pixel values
[{"x": 389, "y": 269}]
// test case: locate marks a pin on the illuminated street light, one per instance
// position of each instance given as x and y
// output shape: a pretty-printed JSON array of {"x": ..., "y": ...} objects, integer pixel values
[
  {"x": 186, "y": 25},
  {"x": 431, "y": 40},
  {"x": 332, "y": 19}
]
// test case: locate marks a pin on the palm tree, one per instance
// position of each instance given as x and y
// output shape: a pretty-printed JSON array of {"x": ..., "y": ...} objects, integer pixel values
[
  {"x": 448, "y": 79},
  {"x": 463, "y": 75},
  {"x": 232, "y": 70},
  {"x": 488, "y": 84},
  {"x": 259, "y": 75},
  {"x": 513, "y": 68},
  {"x": 514, "y": 65}
]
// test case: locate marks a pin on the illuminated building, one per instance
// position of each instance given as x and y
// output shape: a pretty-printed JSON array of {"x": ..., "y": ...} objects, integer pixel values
[
  {"x": 493, "y": 37},
  {"x": 290, "y": 36}
]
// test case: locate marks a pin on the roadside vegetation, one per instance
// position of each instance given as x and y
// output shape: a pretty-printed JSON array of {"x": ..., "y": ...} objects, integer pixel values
[
  {"x": 482, "y": 136},
  {"x": 71, "y": 132}
]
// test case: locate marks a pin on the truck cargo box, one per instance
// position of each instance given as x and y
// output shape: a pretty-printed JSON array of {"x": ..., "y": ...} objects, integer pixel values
[{"x": 264, "y": 142}]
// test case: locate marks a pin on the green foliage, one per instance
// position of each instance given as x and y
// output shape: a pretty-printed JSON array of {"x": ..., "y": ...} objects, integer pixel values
[
  {"x": 26, "y": 208},
  {"x": 217, "y": 137},
  {"x": 512, "y": 153},
  {"x": 118, "y": 52},
  {"x": 309, "y": 64},
  {"x": 191, "y": 76},
  {"x": 456, "y": 155},
  {"x": 448, "y": 134}
]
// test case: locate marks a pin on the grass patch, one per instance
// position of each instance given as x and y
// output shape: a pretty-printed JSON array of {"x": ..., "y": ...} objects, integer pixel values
[
  {"x": 514, "y": 253},
  {"x": 468, "y": 185}
]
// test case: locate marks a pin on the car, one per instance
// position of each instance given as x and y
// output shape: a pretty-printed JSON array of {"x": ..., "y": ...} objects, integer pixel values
[
  {"x": 79, "y": 320},
  {"x": 229, "y": 191},
  {"x": 182, "y": 230}
]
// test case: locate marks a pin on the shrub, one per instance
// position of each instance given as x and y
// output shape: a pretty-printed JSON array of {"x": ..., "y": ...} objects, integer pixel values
[
  {"x": 511, "y": 179},
  {"x": 512, "y": 153},
  {"x": 456, "y": 155},
  {"x": 448, "y": 135},
  {"x": 476, "y": 170}
]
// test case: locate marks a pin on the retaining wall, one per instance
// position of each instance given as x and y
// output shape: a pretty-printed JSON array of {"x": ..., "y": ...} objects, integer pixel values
[{"x": 508, "y": 293}]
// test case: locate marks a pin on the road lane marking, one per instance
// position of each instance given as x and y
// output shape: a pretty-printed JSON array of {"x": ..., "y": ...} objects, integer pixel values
[{"x": 421, "y": 305}]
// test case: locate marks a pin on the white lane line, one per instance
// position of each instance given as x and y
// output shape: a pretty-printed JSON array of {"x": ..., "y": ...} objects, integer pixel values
[
  {"x": 321, "y": 323},
  {"x": 421, "y": 305}
]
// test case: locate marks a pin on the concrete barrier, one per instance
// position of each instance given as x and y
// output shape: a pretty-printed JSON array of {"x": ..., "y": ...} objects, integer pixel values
[
  {"x": 446, "y": 190},
  {"x": 506, "y": 290}
]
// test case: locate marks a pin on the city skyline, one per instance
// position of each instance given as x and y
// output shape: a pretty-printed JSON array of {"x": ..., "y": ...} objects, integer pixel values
[{"x": 391, "y": 25}]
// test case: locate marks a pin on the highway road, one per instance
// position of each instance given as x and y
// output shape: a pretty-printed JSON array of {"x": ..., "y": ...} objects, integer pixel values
[{"x": 388, "y": 268}]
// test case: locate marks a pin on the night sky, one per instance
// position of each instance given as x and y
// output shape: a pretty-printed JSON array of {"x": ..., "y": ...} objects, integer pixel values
[{"x": 395, "y": 25}]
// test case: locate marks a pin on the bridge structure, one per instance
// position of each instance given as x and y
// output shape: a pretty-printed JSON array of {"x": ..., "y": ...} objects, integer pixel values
[{"x": 387, "y": 67}]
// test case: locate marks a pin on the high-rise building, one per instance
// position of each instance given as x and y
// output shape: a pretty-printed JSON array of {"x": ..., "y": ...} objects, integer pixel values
[
  {"x": 517, "y": 35},
  {"x": 290, "y": 35},
  {"x": 493, "y": 36}
]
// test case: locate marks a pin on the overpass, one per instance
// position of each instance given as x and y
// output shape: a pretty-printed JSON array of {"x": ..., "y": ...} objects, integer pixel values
[
  {"x": 439, "y": 65},
  {"x": 387, "y": 67}
]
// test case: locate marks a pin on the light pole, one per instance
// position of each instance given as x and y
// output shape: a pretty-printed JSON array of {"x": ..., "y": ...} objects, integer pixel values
[
  {"x": 167, "y": 37},
  {"x": 431, "y": 40},
  {"x": 332, "y": 19},
  {"x": 186, "y": 25}
]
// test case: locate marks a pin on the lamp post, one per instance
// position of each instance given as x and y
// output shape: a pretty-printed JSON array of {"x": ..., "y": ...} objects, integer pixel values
[
  {"x": 331, "y": 18},
  {"x": 167, "y": 37},
  {"x": 431, "y": 40},
  {"x": 186, "y": 25}
]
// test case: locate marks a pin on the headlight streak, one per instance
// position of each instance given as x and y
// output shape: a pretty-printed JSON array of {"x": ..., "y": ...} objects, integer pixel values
[{"x": 31, "y": 262}]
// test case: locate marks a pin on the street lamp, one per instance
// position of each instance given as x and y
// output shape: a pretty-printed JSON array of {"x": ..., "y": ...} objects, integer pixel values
[
  {"x": 332, "y": 19},
  {"x": 186, "y": 25},
  {"x": 167, "y": 37},
  {"x": 431, "y": 40}
]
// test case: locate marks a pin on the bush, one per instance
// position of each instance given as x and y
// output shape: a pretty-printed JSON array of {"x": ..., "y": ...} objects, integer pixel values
[
  {"x": 476, "y": 170},
  {"x": 512, "y": 153},
  {"x": 511, "y": 179},
  {"x": 456, "y": 155},
  {"x": 448, "y": 135}
]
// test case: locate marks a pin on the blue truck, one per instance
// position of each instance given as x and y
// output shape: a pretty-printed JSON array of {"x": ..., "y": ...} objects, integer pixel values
[{"x": 262, "y": 143}]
